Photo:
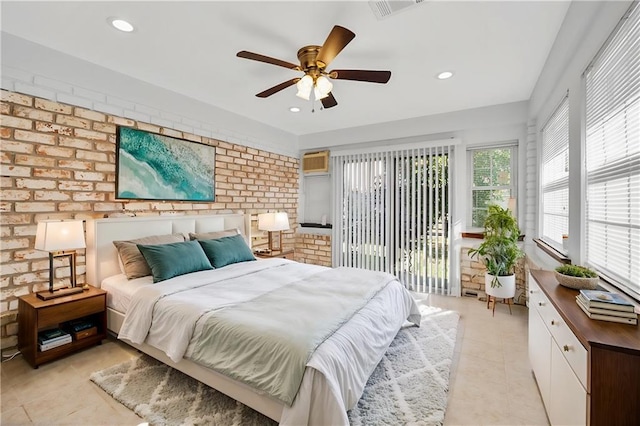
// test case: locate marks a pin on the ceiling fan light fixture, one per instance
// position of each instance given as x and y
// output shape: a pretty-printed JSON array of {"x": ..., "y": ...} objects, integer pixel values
[
  {"x": 318, "y": 94},
  {"x": 323, "y": 87},
  {"x": 304, "y": 87}
]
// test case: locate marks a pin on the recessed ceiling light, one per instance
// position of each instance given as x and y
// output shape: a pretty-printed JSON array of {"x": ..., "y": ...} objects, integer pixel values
[
  {"x": 445, "y": 75},
  {"x": 121, "y": 24},
  {"x": 294, "y": 109}
]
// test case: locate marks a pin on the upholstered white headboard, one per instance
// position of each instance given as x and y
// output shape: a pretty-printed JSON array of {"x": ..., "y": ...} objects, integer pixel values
[{"x": 102, "y": 257}]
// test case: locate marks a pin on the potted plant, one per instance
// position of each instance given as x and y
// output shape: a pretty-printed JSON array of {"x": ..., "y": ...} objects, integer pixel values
[
  {"x": 499, "y": 252},
  {"x": 577, "y": 277}
]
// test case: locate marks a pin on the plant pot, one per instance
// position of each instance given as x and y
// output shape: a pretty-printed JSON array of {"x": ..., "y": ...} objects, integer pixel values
[
  {"x": 577, "y": 283},
  {"x": 507, "y": 290}
]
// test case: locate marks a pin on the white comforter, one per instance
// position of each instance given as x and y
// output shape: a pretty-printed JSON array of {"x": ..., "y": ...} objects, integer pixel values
[{"x": 168, "y": 315}]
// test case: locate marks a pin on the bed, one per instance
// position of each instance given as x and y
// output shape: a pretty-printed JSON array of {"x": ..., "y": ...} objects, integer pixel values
[{"x": 332, "y": 379}]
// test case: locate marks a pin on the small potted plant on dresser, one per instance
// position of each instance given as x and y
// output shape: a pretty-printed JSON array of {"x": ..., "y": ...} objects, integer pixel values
[
  {"x": 577, "y": 277},
  {"x": 499, "y": 252}
]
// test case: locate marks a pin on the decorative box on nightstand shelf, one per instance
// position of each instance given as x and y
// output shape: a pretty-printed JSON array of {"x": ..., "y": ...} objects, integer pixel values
[
  {"x": 266, "y": 254},
  {"x": 36, "y": 315}
]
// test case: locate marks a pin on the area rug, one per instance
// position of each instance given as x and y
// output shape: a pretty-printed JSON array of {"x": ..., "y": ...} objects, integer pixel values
[{"x": 409, "y": 386}]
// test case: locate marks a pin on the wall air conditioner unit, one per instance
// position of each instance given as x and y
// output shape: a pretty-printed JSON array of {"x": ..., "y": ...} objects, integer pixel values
[{"x": 313, "y": 162}]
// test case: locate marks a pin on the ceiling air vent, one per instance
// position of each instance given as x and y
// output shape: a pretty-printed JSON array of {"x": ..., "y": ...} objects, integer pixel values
[
  {"x": 313, "y": 162},
  {"x": 385, "y": 8}
]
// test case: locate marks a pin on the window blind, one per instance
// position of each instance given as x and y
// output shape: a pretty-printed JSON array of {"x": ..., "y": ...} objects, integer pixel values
[
  {"x": 391, "y": 212},
  {"x": 613, "y": 156},
  {"x": 554, "y": 176}
]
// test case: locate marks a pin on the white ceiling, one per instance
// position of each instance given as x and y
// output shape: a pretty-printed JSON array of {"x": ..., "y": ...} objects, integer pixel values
[{"x": 495, "y": 48}]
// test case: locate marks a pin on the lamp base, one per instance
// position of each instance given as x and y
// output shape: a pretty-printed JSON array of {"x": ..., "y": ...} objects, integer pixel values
[{"x": 60, "y": 292}]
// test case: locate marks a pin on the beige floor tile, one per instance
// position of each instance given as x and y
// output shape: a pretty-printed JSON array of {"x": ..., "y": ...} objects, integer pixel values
[
  {"x": 482, "y": 349},
  {"x": 52, "y": 407},
  {"x": 109, "y": 353},
  {"x": 44, "y": 380},
  {"x": 489, "y": 372},
  {"x": 108, "y": 415},
  {"x": 475, "y": 402},
  {"x": 8, "y": 399},
  {"x": 16, "y": 416}
]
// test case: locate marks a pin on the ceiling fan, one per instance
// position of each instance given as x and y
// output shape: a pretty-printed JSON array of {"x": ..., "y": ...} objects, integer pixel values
[{"x": 313, "y": 62}]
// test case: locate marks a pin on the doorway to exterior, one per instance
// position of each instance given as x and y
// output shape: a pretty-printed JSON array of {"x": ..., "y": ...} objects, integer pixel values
[{"x": 391, "y": 214}]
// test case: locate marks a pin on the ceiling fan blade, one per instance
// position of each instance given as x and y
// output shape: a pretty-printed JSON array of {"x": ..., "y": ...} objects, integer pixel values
[
  {"x": 277, "y": 88},
  {"x": 329, "y": 101},
  {"x": 361, "y": 75},
  {"x": 337, "y": 39},
  {"x": 267, "y": 59}
]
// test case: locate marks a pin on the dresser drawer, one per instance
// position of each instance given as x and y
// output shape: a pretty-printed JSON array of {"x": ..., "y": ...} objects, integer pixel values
[
  {"x": 56, "y": 314},
  {"x": 539, "y": 301},
  {"x": 571, "y": 348}
]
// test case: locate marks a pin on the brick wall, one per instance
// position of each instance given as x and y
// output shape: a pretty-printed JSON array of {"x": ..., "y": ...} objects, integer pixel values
[
  {"x": 472, "y": 277},
  {"x": 58, "y": 162},
  {"x": 312, "y": 248}
]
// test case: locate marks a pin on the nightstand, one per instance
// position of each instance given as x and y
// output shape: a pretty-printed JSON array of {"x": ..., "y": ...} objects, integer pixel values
[
  {"x": 285, "y": 254},
  {"x": 36, "y": 315}
]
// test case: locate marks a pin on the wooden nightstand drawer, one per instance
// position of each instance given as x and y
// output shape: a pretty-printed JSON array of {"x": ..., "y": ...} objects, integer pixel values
[
  {"x": 54, "y": 315},
  {"x": 85, "y": 333}
]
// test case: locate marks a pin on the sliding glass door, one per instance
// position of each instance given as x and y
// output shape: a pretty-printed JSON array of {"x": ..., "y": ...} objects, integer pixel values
[{"x": 392, "y": 215}]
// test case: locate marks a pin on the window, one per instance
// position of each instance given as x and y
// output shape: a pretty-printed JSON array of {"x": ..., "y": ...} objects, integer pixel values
[
  {"x": 613, "y": 156},
  {"x": 493, "y": 180},
  {"x": 554, "y": 176}
]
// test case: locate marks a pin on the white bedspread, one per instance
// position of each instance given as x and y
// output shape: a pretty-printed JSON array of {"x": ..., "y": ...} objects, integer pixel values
[
  {"x": 166, "y": 315},
  {"x": 120, "y": 290}
]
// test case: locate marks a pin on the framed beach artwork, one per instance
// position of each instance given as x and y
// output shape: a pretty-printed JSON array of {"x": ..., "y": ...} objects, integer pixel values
[{"x": 150, "y": 166}]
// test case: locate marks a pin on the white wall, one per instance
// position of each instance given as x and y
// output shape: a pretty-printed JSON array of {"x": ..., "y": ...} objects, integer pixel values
[
  {"x": 36, "y": 70},
  {"x": 586, "y": 27}
]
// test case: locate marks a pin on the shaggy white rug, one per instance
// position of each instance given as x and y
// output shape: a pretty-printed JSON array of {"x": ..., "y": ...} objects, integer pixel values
[{"x": 409, "y": 386}]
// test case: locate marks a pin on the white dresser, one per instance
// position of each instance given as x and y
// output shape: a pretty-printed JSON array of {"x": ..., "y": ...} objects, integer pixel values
[
  {"x": 588, "y": 371},
  {"x": 559, "y": 361}
]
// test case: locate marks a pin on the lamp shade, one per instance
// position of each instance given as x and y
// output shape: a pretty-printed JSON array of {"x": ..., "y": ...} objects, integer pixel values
[
  {"x": 275, "y": 221},
  {"x": 323, "y": 86},
  {"x": 304, "y": 87},
  {"x": 55, "y": 235}
]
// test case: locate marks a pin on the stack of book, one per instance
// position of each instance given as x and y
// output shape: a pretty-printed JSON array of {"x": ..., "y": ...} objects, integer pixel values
[
  {"x": 53, "y": 338},
  {"x": 607, "y": 306}
]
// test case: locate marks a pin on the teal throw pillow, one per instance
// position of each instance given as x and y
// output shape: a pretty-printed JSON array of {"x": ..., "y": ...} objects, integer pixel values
[
  {"x": 170, "y": 260},
  {"x": 227, "y": 250}
]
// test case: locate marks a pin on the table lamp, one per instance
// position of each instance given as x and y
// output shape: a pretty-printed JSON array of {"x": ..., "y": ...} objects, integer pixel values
[
  {"x": 60, "y": 239},
  {"x": 273, "y": 222}
]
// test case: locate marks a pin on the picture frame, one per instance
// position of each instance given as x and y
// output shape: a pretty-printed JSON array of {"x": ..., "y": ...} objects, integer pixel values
[{"x": 152, "y": 166}]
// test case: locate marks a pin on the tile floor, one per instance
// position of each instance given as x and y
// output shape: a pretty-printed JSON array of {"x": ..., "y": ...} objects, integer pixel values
[{"x": 491, "y": 381}]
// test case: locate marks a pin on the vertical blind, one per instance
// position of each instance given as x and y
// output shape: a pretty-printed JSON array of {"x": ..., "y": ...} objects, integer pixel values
[
  {"x": 554, "y": 177},
  {"x": 391, "y": 212},
  {"x": 613, "y": 156}
]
